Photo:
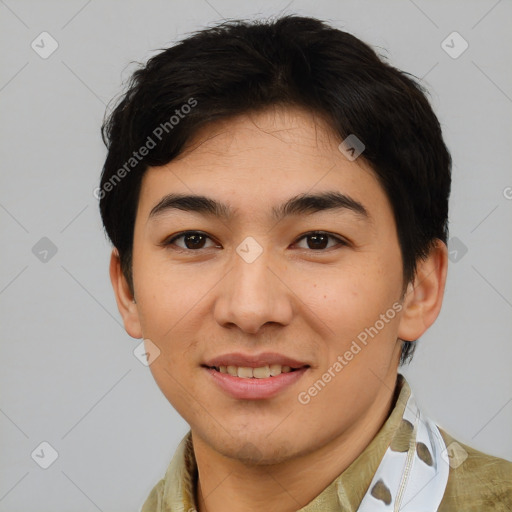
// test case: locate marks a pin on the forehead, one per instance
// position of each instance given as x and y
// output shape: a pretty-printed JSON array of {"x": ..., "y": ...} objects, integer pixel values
[
  {"x": 296, "y": 127},
  {"x": 263, "y": 158}
]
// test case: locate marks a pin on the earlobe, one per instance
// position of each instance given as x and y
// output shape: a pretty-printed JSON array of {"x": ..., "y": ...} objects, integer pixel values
[
  {"x": 124, "y": 298},
  {"x": 424, "y": 297}
]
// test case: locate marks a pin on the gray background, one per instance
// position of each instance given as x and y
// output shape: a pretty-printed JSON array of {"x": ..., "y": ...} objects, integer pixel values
[{"x": 68, "y": 374}]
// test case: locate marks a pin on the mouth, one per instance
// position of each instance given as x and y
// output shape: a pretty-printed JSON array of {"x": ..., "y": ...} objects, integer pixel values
[{"x": 254, "y": 377}]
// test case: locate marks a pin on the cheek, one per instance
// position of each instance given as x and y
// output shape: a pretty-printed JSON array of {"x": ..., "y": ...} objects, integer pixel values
[
  {"x": 177, "y": 385},
  {"x": 165, "y": 293},
  {"x": 351, "y": 298}
]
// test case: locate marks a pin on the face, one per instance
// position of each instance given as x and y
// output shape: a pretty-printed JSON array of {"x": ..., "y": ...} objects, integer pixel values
[{"x": 267, "y": 279}]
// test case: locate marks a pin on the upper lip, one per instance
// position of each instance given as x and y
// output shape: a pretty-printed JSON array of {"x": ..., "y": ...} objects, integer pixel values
[{"x": 255, "y": 360}]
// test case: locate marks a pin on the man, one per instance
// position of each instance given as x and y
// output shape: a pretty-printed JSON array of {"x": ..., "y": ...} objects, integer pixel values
[{"x": 277, "y": 198}]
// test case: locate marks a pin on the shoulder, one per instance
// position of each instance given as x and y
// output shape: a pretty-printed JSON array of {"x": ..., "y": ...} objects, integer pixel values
[
  {"x": 477, "y": 481},
  {"x": 154, "y": 500}
]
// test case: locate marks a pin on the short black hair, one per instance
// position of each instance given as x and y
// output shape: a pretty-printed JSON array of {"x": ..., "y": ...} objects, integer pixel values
[{"x": 241, "y": 66}]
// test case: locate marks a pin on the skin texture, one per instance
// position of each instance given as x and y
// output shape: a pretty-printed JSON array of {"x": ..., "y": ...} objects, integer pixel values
[{"x": 296, "y": 299}]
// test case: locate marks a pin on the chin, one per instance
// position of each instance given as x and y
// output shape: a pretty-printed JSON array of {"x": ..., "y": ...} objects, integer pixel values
[
  {"x": 255, "y": 447},
  {"x": 261, "y": 453}
]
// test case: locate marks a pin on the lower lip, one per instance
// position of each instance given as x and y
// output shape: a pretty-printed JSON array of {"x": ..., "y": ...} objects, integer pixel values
[{"x": 255, "y": 389}]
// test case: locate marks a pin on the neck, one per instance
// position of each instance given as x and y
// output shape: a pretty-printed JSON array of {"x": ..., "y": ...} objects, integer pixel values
[{"x": 289, "y": 485}]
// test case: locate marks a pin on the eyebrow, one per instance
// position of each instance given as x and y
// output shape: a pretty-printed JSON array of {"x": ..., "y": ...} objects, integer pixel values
[{"x": 299, "y": 205}]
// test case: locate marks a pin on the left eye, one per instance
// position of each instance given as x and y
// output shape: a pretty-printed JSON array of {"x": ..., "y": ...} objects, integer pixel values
[
  {"x": 320, "y": 239},
  {"x": 194, "y": 240}
]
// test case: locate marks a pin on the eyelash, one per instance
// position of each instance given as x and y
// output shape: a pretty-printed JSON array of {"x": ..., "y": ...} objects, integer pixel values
[{"x": 170, "y": 241}]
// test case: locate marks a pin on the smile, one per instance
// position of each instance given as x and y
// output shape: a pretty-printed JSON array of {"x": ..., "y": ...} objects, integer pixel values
[{"x": 247, "y": 386}]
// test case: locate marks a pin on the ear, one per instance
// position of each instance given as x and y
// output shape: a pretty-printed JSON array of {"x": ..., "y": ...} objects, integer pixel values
[
  {"x": 124, "y": 298},
  {"x": 424, "y": 295}
]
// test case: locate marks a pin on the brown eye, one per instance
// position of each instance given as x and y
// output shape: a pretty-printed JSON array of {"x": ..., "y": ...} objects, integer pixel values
[
  {"x": 318, "y": 241},
  {"x": 192, "y": 240}
]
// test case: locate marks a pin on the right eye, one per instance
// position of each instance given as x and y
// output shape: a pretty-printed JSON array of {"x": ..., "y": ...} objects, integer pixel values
[{"x": 192, "y": 240}]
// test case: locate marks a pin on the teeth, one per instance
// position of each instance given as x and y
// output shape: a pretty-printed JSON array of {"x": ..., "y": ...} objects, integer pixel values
[
  {"x": 275, "y": 369},
  {"x": 244, "y": 372},
  {"x": 262, "y": 372}
]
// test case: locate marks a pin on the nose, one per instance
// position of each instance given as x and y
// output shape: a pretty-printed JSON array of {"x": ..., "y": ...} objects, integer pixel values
[{"x": 254, "y": 294}]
